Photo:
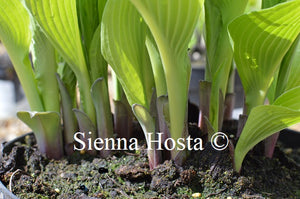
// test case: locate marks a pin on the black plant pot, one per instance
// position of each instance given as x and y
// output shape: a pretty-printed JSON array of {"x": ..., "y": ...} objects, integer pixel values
[
  {"x": 5, "y": 193},
  {"x": 290, "y": 138}
]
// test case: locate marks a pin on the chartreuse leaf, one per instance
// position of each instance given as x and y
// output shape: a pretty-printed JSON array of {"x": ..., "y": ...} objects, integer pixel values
[
  {"x": 218, "y": 15},
  {"x": 265, "y": 120},
  {"x": 46, "y": 126},
  {"x": 98, "y": 64},
  {"x": 58, "y": 20},
  {"x": 288, "y": 73},
  {"x": 260, "y": 40},
  {"x": 123, "y": 36},
  {"x": 69, "y": 80},
  {"x": 16, "y": 36},
  {"x": 294, "y": 74},
  {"x": 289, "y": 99},
  {"x": 157, "y": 67},
  {"x": 270, "y": 3},
  {"x": 90, "y": 15},
  {"x": 172, "y": 24},
  {"x": 44, "y": 61},
  {"x": 88, "y": 20}
]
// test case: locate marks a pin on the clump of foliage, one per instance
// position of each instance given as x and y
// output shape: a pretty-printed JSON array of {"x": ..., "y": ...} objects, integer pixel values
[
  {"x": 146, "y": 43},
  {"x": 65, "y": 53}
]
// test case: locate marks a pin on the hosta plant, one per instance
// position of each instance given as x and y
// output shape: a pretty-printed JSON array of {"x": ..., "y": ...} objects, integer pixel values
[
  {"x": 51, "y": 32},
  {"x": 214, "y": 89},
  {"x": 151, "y": 62},
  {"x": 266, "y": 52},
  {"x": 146, "y": 44}
]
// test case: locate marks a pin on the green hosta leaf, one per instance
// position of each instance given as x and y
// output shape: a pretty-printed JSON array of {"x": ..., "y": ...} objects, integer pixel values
[
  {"x": 266, "y": 120},
  {"x": 70, "y": 122},
  {"x": 148, "y": 125},
  {"x": 98, "y": 64},
  {"x": 290, "y": 99},
  {"x": 172, "y": 24},
  {"x": 88, "y": 20},
  {"x": 144, "y": 117},
  {"x": 157, "y": 67},
  {"x": 270, "y": 3},
  {"x": 117, "y": 87},
  {"x": 293, "y": 78},
  {"x": 86, "y": 127},
  {"x": 16, "y": 36},
  {"x": 101, "y": 6},
  {"x": 69, "y": 80},
  {"x": 218, "y": 14},
  {"x": 261, "y": 39},
  {"x": 104, "y": 117},
  {"x": 90, "y": 14},
  {"x": 101, "y": 102},
  {"x": 288, "y": 73},
  {"x": 123, "y": 37},
  {"x": 85, "y": 123},
  {"x": 47, "y": 129},
  {"x": 58, "y": 20},
  {"x": 44, "y": 61}
]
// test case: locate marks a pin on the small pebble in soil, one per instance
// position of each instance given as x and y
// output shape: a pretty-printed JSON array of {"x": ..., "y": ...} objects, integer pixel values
[
  {"x": 113, "y": 194},
  {"x": 102, "y": 170},
  {"x": 84, "y": 189},
  {"x": 288, "y": 151},
  {"x": 196, "y": 195}
]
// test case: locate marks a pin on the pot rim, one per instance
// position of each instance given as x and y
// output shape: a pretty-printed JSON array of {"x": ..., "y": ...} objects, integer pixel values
[{"x": 5, "y": 193}]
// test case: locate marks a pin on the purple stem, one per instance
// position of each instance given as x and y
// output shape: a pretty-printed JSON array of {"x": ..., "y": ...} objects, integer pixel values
[{"x": 270, "y": 144}]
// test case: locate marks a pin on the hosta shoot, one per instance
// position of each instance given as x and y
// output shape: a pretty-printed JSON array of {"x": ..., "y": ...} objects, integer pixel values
[
  {"x": 261, "y": 40},
  {"x": 127, "y": 55},
  {"x": 172, "y": 25},
  {"x": 50, "y": 31},
  {"x": 17, "y": 31},
  {"x": 218, "y": 15},
  {"x": 151, "y": 52}
]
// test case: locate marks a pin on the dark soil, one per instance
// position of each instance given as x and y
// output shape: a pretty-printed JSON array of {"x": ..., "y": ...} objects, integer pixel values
[{"x": 206, "y": 174}]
